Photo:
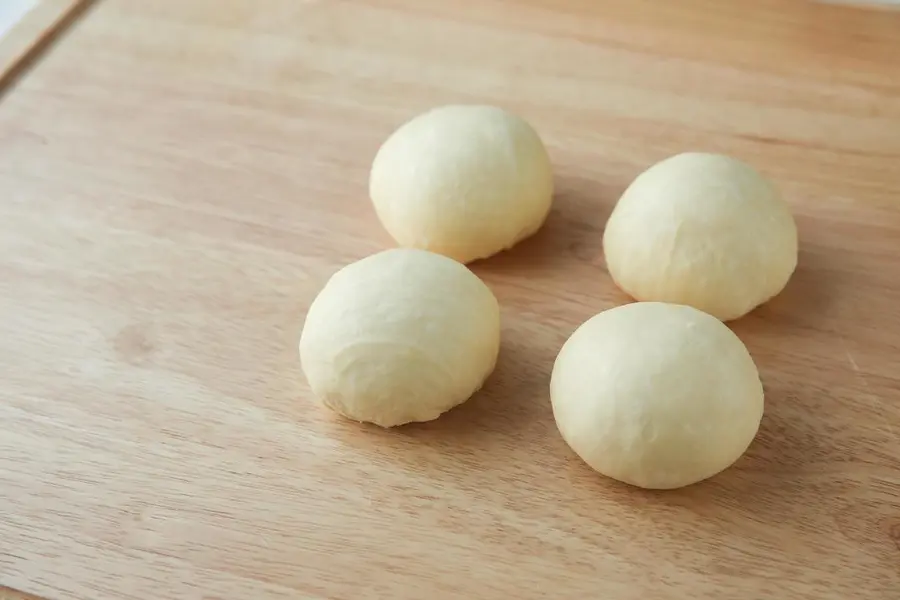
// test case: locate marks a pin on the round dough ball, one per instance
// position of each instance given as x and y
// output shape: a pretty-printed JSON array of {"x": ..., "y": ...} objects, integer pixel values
[
  {"x": 656, "y": 395},
  {"x": 403, "y": 335},
  {"x": 463, "y": 181},
  {"x": 703, "y": 230}
]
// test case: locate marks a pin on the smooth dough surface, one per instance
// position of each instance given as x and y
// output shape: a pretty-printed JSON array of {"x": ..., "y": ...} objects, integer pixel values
[
  {"x": 704, "y": 230},
  {"x": 400, "y": 336},
  {"x": 463, "y": 181},
  {"x": 656, "y": 395}
]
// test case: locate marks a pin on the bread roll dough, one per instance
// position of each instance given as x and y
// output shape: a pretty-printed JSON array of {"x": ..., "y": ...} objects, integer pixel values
[
  {"x": 656, "y": 395},
  {"x": 463, "y": 181},
  {"x": 403, "y": 335},
  {"x": 703, "y": 230}
]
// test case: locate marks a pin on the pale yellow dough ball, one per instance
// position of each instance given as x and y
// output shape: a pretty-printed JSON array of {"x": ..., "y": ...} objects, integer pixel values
[
  {"x": 403, "y": 335},
  {"x": 656, "y": 395},
  {"x": 463, "y": 181},
  {"x": 704, "y": 230}
]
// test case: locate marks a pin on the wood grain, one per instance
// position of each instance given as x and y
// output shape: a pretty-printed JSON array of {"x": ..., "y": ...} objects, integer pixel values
[
  {"x": 33, "y": 32},
  {"x": 179, "y": 178}
]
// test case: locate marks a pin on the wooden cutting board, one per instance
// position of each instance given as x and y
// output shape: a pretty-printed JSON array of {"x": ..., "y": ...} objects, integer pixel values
[
  {"x": 27, "y": 26},
  {"x": 178, "y": 179}
]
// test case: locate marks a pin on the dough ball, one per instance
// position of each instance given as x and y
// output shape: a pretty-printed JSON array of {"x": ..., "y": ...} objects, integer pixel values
[
  {"x": 401, "y": 336},
  {"x": 656, "y": 395},
  {"x": 462, "y": 181},
  {"x": 703, "y": 230}
]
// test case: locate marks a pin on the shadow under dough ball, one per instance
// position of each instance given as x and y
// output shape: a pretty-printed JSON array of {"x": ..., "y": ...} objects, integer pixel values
[
  {"x": 462, "y": 181},
  {"x": 704, "y": 230},
  {"x": 656, "y": 395},
  {"x": 400, "y": 336}
]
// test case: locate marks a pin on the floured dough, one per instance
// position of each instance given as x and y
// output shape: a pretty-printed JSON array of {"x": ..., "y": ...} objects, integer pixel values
[
  {"x": 463, "y": 181},
  {"x": 703, "y": 230},
  {"x": 656, "y": 395},
  {"x": 403, "y": 335}
]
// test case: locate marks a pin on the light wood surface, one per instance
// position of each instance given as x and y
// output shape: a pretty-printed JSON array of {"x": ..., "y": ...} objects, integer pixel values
[
  {"x": 26, "y": 26},
  {"x": 178, "y": 179}
]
